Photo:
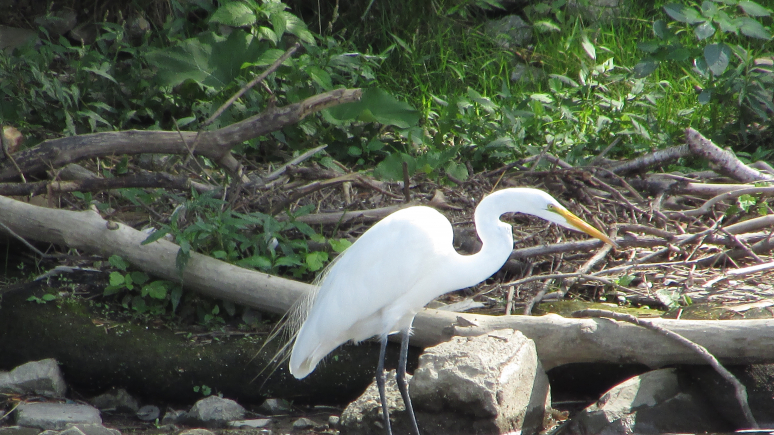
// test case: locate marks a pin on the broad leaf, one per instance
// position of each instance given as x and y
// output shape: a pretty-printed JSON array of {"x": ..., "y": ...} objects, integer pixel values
[
  {"x": 210, "y": 60},
  {"x": 704, "y": 30},
  {"x": 717, "y": 57},
  {"x": 754, "y": 9},
  {"x": 753, "y": 29},
  {"x": 234, "y": 14},
  {"x": 683, "y": 14},
  {"x": 645, "y": 67}
]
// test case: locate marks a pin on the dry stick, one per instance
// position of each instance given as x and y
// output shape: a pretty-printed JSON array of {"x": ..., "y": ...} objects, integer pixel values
[
  {"x": 509, "y": 301},
  {"x": 297, "y": 160},
  {"x": 406, "y": 183},
  {"x": 252, "y": 83},
  {"x": 741, "y": 245},
  {"x": 580, "y": 276},
  {"x": 707, "y": 206},
  {"x": 604, "y": 152},
  {"x": 652, "y": 159},
  {"x": 739, "y": 388},
  {"x": 26, "y": 243},
  {"x": 751, "y": 269},
  {"x": 540, "y": 294},
  {"x": 142, "y": 180}
]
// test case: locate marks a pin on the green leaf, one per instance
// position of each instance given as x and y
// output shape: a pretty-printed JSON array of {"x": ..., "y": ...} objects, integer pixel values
[
  {"x": 683, "y": 14},
  {"x": 234, "y": 14},
  {"x": 316, "y": 260},
  {"x": 102, "y": 72},
  {"x": 457, "y": 170},
  {"x": 717, "y": 57},
  {"x": 753, "y": 29},
  {"x": 155, "y": 236},
  {"x": 546, "y": 26},
  {"x": 377, "y": 105},
  {"x": 156, "y": 289},
  {"x": 649, "y": 46},
  {"x": 48, "y": 297},
  {"x": 209, "y": 60},
  {"x": 279, "y": 24},
  {"x": 256, "y": 262},
  {"x": 704, "y": 30},
  {"x": 339, "y": 245},
  {"x": 661, "y": 30},
  {"x": 268, "y": 57},
  {"x": 705, "y": 97},
  {"x": 645, "y": 67},
  {"x": 746, "y": 201},
  {"x": 117, "y": 279},
  {"x": 295, "y": 26},
  {"x": 725, "y": 22},
  {"x": 118, "y": 262},
  {"x": 754, "y": 9},
  {"x": 175, "y": 296},
  {"x": 321, "y": 77},
  {"x": 139, "y": 278},
  {"x": 391, "y": 168},
  {"x": 588, "y": 47}
]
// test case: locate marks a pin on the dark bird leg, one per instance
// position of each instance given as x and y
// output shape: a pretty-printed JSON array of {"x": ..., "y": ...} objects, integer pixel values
[
  {"x": 400, "y": 377},
  {"x": 380, "y": 384}
]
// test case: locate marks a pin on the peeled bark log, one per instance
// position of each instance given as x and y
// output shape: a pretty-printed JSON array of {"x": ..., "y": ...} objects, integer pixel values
[{"x": 559, "y": 340}]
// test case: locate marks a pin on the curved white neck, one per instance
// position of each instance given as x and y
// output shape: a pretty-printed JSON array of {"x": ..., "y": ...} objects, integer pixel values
[{"x": 496, "y": 236}]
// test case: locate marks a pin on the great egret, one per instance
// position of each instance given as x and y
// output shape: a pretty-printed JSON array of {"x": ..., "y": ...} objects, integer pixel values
[{"x": 377, "y": 286}]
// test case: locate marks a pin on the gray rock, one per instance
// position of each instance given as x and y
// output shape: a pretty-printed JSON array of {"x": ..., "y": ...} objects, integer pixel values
[
  {"x": 89, "y": 429},
  {"x": 255, "y": 423},
  {"x": 196, "y": 432},
  {"x": 116, "y": 399},
  {"x": 758, "y": 379},
  {"x": 55, "y": 416},
  {"x": 59, "y": 22},
  {"x": 148, "y": 413},
  {"x": 333, "y": 421},
  {"x": 173, "y": 416},
  {"x": 13, "y": 37},
  {"x": 364, "y": 415},
  {"x": 303, "y": 423},
  {"x": 19, "y": 430},
  {"x": 509, "y": 31},
  {"x": 274, "y": 407},
  {"x": 489, "y": 384},
  {"x": 659, "y": 401},
  {"x": 38, "y": 377},
  {"x": 216, "y": 411}
]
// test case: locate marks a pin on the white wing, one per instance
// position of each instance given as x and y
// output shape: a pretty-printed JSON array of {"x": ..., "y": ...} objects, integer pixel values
[{"x": 374, "y": 287}]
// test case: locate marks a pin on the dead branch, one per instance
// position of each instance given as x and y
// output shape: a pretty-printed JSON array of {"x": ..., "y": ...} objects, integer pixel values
[
  {"x": 213, "y": 144},
  {"x": 659, "y": 157},
  {"x": 739, "y": 388},
  {"x": 143, "y": 180},
  {"x": 726, "y": 162},
  {"x": 707, "y": 206}
]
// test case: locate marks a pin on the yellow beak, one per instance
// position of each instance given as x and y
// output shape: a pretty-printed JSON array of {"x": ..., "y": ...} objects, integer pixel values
[{"x": 581, "y": 225}]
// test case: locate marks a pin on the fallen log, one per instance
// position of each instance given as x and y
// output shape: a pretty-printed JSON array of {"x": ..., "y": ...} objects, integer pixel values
[{"x": 559, "y": 340}]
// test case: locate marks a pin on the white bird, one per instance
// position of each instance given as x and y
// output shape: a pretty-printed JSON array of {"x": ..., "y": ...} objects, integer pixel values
[{"x": 377, "y": 286}]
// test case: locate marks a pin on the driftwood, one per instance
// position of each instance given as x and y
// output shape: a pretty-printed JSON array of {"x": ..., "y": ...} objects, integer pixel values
[
  {"x": 213, "y": 144},
  {"x": 559, "y": 340}
]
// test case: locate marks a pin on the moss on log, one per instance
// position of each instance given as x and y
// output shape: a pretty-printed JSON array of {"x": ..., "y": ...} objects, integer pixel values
[{"x": 158, "y": 364}]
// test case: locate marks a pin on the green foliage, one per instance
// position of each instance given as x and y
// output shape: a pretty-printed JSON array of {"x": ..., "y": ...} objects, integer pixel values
[
  {"x": 720, "y": 42},
  {"x": 141, "y": 294},
  {"x": 253, "y": 240}
]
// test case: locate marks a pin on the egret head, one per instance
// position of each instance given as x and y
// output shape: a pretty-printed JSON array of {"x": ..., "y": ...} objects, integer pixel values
[{"x": 540, "y": 204}]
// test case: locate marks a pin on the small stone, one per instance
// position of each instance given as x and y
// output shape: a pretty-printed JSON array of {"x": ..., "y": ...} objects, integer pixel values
[
  {"x": 38, "y": 377},
  {"x": 255, "y": 423},
  {"x": 173, "y": 416},
  {"x": 19, "y": 430},
  {"x": 216, "y": 411},
  {"x": 56, "y": 416},
  {"x": 303, "y": 423},
  {"x": 89, "y": 429},
  {"x": 116, "y": 399},
  {"x": 148, "y": 413},
  {"x": 333, "y": 421},
  {"x": 196, "y": 432},
  {"x": 274, "y": 407}
]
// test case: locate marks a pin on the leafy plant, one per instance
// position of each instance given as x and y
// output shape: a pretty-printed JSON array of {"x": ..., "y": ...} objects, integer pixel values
[
  {"x": 723, "y": 50},
  {"x": 143, "y": 295}
]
